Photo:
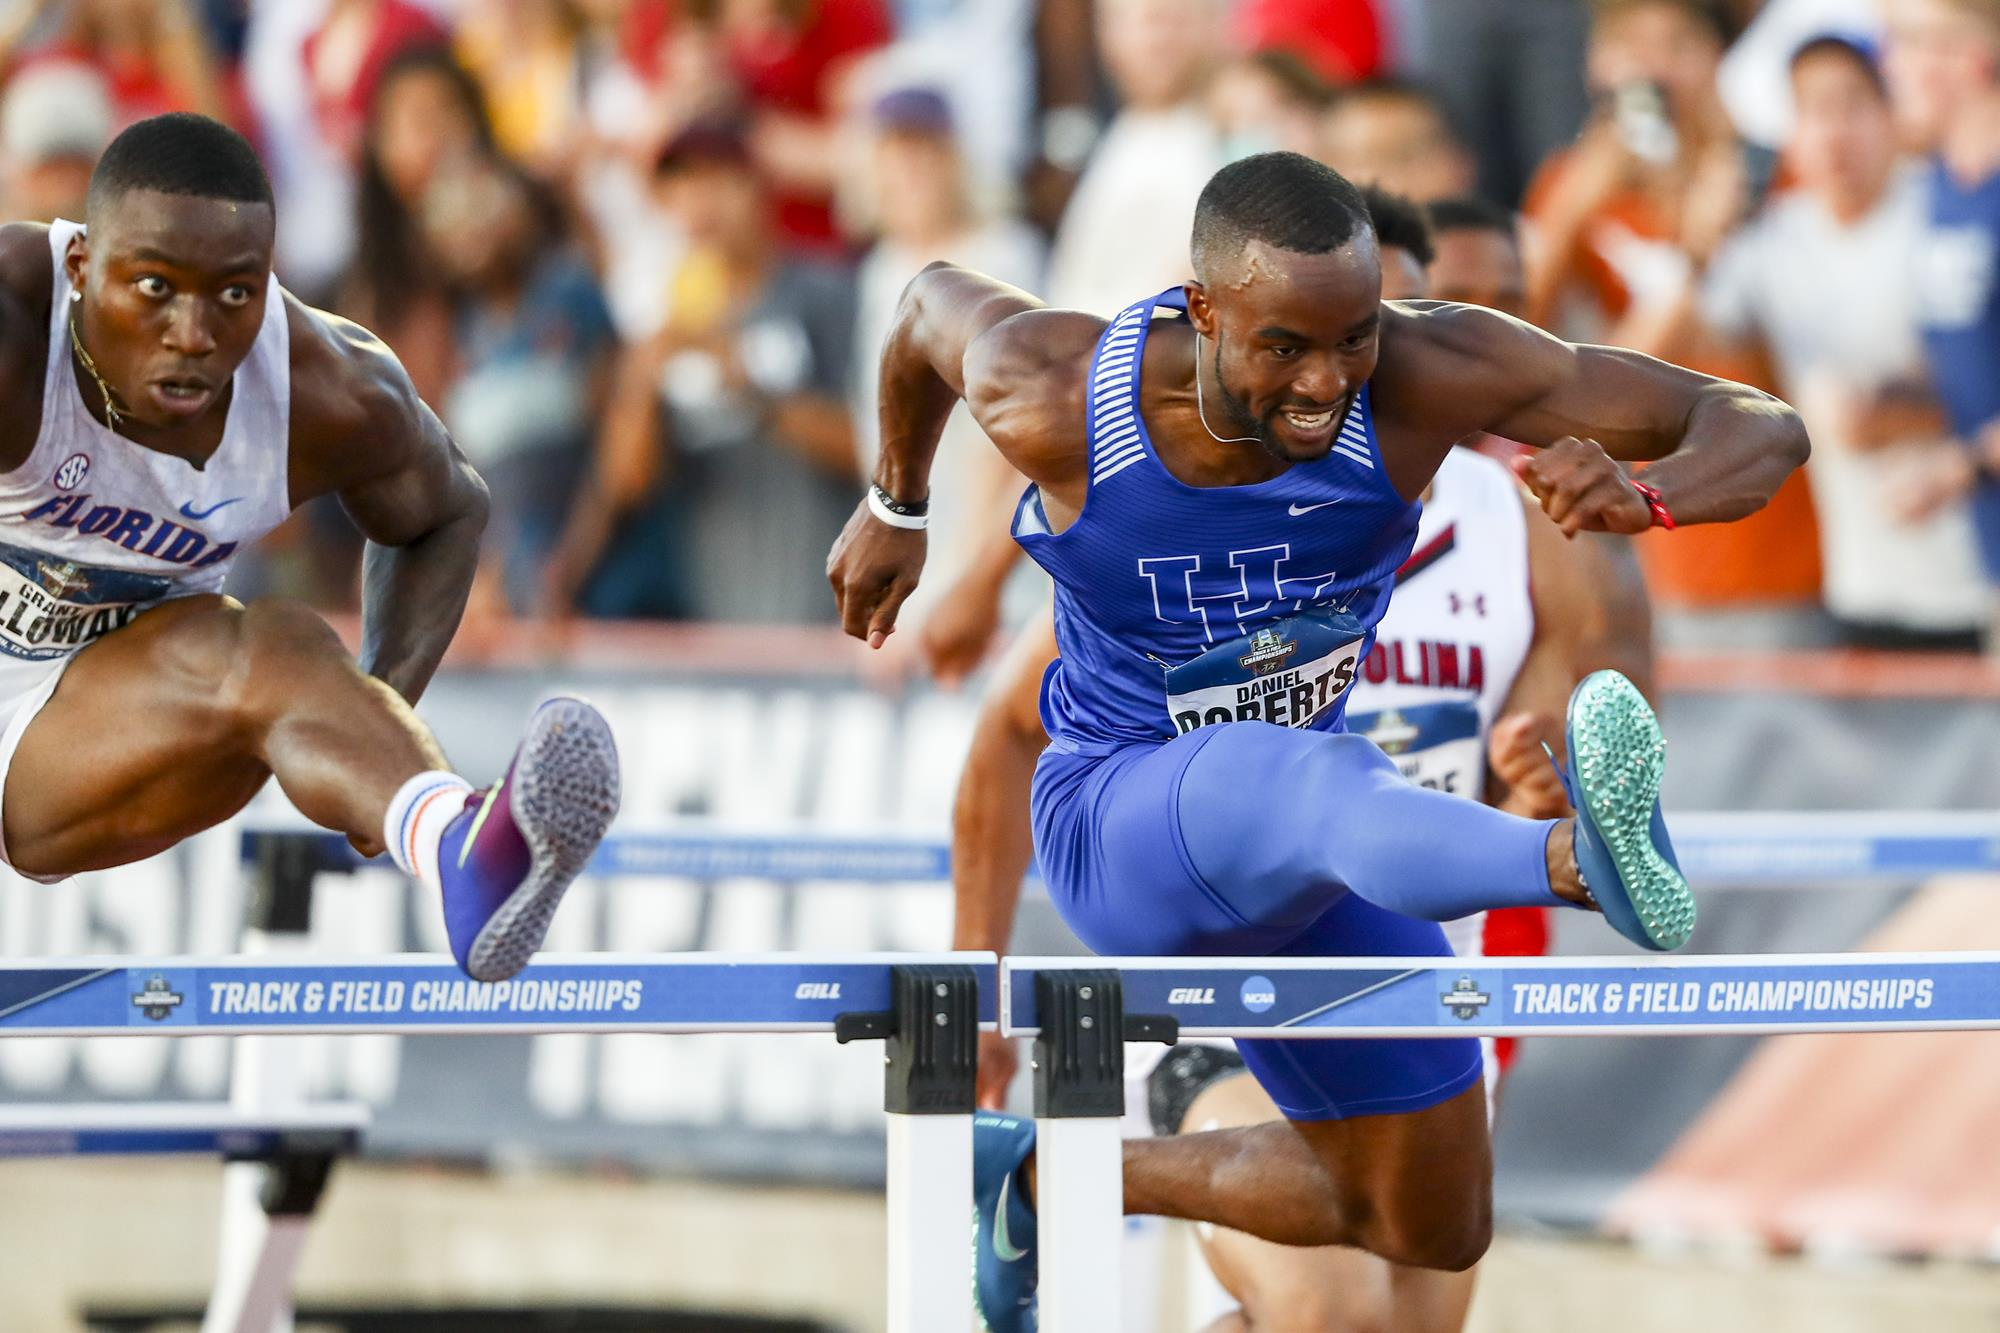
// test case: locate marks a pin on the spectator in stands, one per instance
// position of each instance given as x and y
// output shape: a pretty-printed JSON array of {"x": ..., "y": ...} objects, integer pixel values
[
  {"x": 526, "y": 55},
  {"x": 1820, "y": 282},
  {"x": 427, "y": 114},
  {"x": 533, "y": 343},
  {"x": 1393, "y": 133},
  {"x": 346, "y": 56},
  {"x": 1477, "y": 255},
  {"x": 1124, "y": 233},
  {"x": 726, "y": 461},
  {"x": 1269, "y": 100},
  {"x": 791, "y": 59},
  {"x": 924, "y": 212},
  {"x": 1656, "y": 182},
  {"x": 1340, "y": 43},
  {"x": 1945, "y": 65},
  {"x": 154, "y": 54},
  {"x": 55, "y": 118},
  {"x": 1511, "y": 77}
]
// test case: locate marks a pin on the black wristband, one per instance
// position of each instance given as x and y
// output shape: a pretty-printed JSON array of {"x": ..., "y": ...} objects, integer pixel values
[{"x": 921, "y": 509}]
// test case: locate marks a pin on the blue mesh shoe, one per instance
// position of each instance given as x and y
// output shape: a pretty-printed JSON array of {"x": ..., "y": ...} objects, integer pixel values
[
  {"x": 1003, "y": 1225},
  {"x": 507, "y": 859},
  {"x": 1616, "y": 759}
]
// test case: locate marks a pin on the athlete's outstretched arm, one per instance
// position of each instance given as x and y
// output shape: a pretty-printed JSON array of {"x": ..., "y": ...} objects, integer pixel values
[
  {"x": 1722, "y": 449},
  {"x": 959, "y": 334},
  {"x": 363, "y": 434}
]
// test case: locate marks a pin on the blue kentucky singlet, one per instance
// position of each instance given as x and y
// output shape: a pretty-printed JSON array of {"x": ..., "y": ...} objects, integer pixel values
[{"x": 1178, "y": 606}]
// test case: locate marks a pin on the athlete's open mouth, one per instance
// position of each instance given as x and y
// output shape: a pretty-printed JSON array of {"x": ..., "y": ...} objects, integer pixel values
[
  {"x": 181, "y": 396},
  {"x": 1313, "y": 424}
]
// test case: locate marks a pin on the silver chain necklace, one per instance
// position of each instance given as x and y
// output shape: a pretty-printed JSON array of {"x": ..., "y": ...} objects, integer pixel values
[{"x": 1201, "y": 411}]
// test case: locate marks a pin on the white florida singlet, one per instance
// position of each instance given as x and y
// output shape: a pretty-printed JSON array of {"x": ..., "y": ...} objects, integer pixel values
[
  {"x": 94, "y": 528},
  {"x": 1458, "y": 628}
]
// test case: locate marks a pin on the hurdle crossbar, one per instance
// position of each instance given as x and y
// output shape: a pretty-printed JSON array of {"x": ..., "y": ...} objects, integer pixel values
[
  {"x": 1539, "y": 997},
  {"x": 1079, "y": 1010},
  {"x": 928, "y": 1008},
  {"x": 71, "y": 1129},
  {"x": 1764, "y": 848}
]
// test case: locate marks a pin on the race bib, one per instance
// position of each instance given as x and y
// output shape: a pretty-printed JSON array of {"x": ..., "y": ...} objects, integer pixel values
[
  {"x": 1434, "y": 745},
  {"x": 49, "y": 608},
  {"x": 1288, "y": 673}
]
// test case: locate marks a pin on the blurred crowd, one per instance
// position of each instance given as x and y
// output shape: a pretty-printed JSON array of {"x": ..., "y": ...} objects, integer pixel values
[{"x": 641, "y": 255}]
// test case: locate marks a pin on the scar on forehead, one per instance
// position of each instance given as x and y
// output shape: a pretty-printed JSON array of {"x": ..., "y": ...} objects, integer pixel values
[{"x": 1256, "y": 263}]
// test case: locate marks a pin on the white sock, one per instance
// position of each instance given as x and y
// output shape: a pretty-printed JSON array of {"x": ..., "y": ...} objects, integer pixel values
[{"x": 417, "y": 818}]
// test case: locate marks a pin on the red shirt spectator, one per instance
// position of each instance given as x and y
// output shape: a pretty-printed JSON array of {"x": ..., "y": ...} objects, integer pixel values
[
  {"x": 345, "y": 56},
  {"x": 787, "y": 57},
  {"x": 1343, "y": 40}
]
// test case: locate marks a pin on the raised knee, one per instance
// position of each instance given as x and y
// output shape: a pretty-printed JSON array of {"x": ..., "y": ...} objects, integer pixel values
[
  {"x": 271, "y": 646},
  {"x": 1448, "y": 1243}
]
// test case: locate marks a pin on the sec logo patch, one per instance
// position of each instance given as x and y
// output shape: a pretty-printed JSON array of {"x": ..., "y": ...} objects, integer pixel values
[{"x": 72, "y": 472}]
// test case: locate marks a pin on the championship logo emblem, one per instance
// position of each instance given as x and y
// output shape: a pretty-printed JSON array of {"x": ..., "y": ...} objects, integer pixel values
[
  {"x": 1267, "y": 652},
  {"x": 1465, "y": 1000},
  {"x": 60, "y": 578},
  {"x": 72, "y": 472},
  {"x": 157, "y": 1000}
]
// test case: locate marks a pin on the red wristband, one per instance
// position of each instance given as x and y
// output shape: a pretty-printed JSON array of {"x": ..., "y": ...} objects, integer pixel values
[{"x": 1662, "y": 518}]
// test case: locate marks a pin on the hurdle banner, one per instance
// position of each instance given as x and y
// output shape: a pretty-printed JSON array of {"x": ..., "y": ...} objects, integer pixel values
[
  {"x": 928, "y": 1009},
  {"x": 1080, "y": 1011},
  {"x": 1545, "y": 997}
]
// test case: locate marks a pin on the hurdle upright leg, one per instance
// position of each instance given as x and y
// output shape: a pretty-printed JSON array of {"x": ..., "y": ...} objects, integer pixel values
[
  {"x": 267, "y": 1206},
  {"x": 930, "y": 1090},
  {"x": 1079, "y": 1162}
]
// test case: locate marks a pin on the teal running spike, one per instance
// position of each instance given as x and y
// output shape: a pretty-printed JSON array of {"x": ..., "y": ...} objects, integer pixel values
[{"x": 1616, "y": 759}]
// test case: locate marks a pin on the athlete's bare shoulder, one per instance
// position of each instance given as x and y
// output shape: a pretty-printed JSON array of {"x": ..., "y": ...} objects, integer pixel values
[
  {"x": 27, "y": 283},
  {"x": 1455, "y": 369},
  {"x": 1026, "y": 380},
  {"x": 354, "y": 410},
  {"x": 359, "y": 430}
]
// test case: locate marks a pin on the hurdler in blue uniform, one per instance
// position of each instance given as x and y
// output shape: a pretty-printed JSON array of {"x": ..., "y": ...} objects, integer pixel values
[{"x": 1222, "y": 483}]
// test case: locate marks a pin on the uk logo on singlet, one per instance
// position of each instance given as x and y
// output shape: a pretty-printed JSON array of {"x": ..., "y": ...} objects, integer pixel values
[{"x": 1250, "y": 585}]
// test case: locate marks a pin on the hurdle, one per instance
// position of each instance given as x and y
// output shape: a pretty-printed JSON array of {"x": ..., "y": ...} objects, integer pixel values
[
  {"x": 290, "y": 1157},
  {"x": 1734, "y": 849},
  {"x": 1081, "y": 1011},
  {"x": 927, "y": 1009}
]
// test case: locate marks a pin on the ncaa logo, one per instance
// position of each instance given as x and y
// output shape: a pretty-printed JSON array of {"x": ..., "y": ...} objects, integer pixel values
[
  {"x": 1259, "y": 994},
  {"x": 72, "y": 472}
]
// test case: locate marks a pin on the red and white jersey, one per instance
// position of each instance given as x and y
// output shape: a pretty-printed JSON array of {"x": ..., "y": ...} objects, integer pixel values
[
  {"x": 95, "y": 528},
  {"x": 1457, "y": 630}
]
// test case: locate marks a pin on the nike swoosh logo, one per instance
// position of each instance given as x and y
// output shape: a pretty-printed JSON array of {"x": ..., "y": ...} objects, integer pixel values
[
  {"x": 479, "y": 820},
  {"x": 1003, "y": 1245},
  {"x": 199, "y": 514},
  {"x": 1296, "y": 510}
]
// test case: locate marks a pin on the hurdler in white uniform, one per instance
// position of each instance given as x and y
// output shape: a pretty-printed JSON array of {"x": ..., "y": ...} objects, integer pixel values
[{"x": 94, "y": 528}]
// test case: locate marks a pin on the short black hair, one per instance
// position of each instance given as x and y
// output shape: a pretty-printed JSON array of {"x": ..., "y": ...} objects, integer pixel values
[
  {"x": 1286, "y": 200},
  {"x": 1471, "y": 212},
  {"x": 1399, "y": 221},
  {"x": 179, "y": 153}
]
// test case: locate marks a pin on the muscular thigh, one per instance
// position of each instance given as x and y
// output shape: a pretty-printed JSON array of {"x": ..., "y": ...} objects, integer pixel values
[{"x": 141, "y": 745}]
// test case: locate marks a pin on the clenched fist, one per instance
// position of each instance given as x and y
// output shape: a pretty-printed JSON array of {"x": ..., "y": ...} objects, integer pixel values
[
  {"x": 1583, "y": 489},
  {"x": 873, "y": 569}
]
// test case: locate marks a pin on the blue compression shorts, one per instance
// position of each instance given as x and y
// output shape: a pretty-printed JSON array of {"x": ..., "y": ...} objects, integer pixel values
[{"x": 1215, "y": 843}]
